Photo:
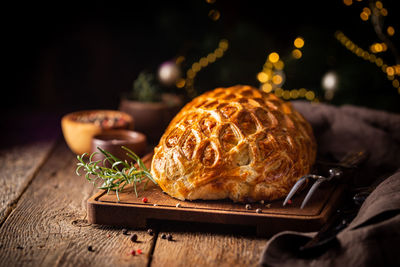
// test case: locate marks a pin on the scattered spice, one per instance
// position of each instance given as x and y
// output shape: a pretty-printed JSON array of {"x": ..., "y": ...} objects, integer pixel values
[
  {"x": 178, "y": 205},
  {"x": 90, "y": 248},
  {"x": 145, "y": 200},
  {"x": 134, "y": 237},
  {"x": 248, "y": 206},
  {"x": 139, "y": 251},
  {"x": 20, "y": 247},
  {"x": 262, "y": 202},
  {"x": 133, "y": 252},
  {"x": 150, "y": 231},
  {"x": 164, "y": 236},
  {"x": 124, "y": 231},
  {"x": 259, "y": 210},
  {"x": 108, "y": 235},
  {"x": 169, "y": 237},
  {"x": 289, "y": 201},
  {"x": 155, "y": 205},
  {"x": 268, "y": 206}
]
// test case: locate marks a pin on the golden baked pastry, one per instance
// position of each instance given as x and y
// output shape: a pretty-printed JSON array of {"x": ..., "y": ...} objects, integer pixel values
[{"x": 238, "y": 143}]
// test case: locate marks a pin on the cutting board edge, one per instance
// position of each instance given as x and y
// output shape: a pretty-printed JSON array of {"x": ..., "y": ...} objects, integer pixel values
[{"x": 137, "y": 216}]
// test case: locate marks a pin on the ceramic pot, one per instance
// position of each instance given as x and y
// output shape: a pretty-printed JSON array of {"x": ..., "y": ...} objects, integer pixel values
[
  {"x": 78, "y": 129},
  {"x": 152, "y": 118},
  {"x": 113, "y": 140}
]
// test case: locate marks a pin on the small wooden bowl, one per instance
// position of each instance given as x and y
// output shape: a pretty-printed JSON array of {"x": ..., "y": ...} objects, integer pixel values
[
  {"x": 113, "y": 140},
  {"x": 79, "y": 127}
]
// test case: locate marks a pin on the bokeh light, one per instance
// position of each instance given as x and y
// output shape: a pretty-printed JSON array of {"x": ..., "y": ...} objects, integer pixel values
[
  {"x": 262, "y": 77},
  {"x": 310, "y": 95},
  {"x": 273, "y": 57},
  {"x": 214, "y": 14},
  {"x": 299, "y": 42},
  {"x": 296, "y": 53},
  {"x": 364, "y": 16},
  {"x": 390, "y": 31},
  {"x": 378, "y": 4},
  {"x": 348, "y": 2},
  {"x": 266, "y": 87}
]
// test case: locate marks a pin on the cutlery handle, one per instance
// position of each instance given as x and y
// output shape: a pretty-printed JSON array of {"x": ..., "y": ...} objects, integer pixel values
[
  {"x": 338, "y": 221},
  {"x": 354, "y": 159}
]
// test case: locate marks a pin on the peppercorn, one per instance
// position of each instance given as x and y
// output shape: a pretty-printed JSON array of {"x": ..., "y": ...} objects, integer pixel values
[
  {"x": 178, "y": 205},
  {"x": 134, "y": 237},
  {"x": 259, "y": 210},
  {"x": 150, "y": 231},
  {"x": 248, "y": 206},
  {"x": 144, "y": 200},
  {"x": 90, "y": 248},
  {"x": 169, "y": 237},
  {"x": 133, "y": 252},
  {"x": 139, "y": 251},
  {"x": 164, "y": 236},
  {"x": 124, "y": 231},
  {"x": 289, "y": 201}
]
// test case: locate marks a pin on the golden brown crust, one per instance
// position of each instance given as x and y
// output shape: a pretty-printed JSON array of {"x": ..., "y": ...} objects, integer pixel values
[{"x": 238, "y": 143}]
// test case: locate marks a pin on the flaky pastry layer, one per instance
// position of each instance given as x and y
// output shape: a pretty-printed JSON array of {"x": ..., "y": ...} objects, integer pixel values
[{"x": 238, "y": 143}]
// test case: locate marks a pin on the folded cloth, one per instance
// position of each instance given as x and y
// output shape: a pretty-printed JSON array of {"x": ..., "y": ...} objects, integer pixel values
[
  {"x": 339, "y": 130},
  {"x": 373, "y": 237}
]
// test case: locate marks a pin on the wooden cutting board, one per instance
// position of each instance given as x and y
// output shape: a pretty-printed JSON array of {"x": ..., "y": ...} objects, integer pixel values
[{"x": 130, "y": 211}]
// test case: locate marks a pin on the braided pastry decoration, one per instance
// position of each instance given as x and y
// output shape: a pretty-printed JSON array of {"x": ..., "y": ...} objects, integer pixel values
[{"x": 238, "y": 143}]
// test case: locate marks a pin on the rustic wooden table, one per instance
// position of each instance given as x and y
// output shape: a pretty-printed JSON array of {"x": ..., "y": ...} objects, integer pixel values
[{"x": 43, "y": 221}]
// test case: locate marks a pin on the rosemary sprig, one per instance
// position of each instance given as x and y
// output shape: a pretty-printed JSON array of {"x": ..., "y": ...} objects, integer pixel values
[{"x": 114, "y": 178}]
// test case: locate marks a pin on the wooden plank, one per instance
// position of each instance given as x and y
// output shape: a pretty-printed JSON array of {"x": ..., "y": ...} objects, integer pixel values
[
  {"x": 48, "y": 226},
  {"x": 18, "y": 165},
  {"x": 206, "y": 245},
  {"x": 130, "y": 210},
  {"x": 155, "y": 196}
]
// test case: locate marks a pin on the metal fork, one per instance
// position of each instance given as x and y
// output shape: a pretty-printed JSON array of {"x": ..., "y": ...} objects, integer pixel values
[{"x": 351, "y": 160}]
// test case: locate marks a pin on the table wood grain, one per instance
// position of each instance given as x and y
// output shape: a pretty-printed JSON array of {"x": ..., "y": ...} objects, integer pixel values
[
  {"x": 18, "y": 165},
  {"x": 44, "y": 222}
]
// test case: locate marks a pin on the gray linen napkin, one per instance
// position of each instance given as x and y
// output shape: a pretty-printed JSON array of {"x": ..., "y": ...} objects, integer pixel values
[{"x": 373, "y": 237}]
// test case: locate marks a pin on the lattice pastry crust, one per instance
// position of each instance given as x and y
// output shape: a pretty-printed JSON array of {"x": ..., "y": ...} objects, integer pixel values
[{"x": 238, "y": 143}]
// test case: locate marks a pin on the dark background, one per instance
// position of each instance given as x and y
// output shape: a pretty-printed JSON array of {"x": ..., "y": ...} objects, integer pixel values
[{"x": 65, "y": 55}]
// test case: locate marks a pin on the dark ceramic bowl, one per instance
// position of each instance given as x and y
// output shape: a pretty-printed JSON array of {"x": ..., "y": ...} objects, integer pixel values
[{"x": 112, "y": 141}]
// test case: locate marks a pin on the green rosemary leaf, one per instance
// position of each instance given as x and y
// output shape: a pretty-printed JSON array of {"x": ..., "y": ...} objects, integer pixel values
[
  {"x": 115, "y": 164},
  {"x": 110, "y": 157},
  {"x": 91, "y": 156},
  {"x": 107, "y": 156},
  {"x": 78, "y": 168},
  {"x": 116, "y": 192},
  {"x": 148, "y": 175},
  {"x": 136, "y": 158},
  {"x": 102, "y": 187},
  {"x": 87, "y": 176},
  {"x": 131, "y": 170},
  {"x": 134, "y": 187},
  {"x": 132, "y": 165}
]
